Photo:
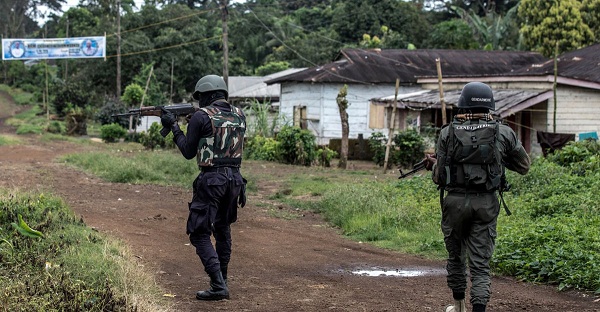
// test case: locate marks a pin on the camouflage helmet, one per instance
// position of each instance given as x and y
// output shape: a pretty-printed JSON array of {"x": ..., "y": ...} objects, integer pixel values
[
  {"x": 476, "y": 95},
  {"x": 209, "y": 83}
]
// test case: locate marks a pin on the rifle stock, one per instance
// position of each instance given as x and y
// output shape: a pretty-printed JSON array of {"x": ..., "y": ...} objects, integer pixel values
[{"x": 176, "y": 109}]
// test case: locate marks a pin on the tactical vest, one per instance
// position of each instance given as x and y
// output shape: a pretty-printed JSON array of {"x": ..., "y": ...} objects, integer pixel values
[
  {"x": 473, "y": 160},
  {"x": 226, "y": 146}
]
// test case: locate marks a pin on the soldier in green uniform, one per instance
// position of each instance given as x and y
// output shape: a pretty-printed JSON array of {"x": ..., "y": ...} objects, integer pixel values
[
  {"x": 215, "y": 136},
  {"x": 468, "y": 166}
]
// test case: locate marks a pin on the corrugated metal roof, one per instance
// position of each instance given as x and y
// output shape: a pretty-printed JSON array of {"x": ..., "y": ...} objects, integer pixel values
[
  {"x": 373, "y": 66},
  {"x": 506, "y": 100},
  {"x": 582, "y": 64},
  {"x": 243, "y": 87}
]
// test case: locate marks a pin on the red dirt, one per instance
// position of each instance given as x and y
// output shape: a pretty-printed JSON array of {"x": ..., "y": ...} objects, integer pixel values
[{"x": 277, "y": 264}]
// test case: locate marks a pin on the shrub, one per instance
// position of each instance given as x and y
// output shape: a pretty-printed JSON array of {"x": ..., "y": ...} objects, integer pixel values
[
  {"x": 112, "y": 133},
  {"x": 113, "y": 106},
  {"x": 325, "y": 155},
  {"x": 152, "y": 138},
  {"x": 408, "y": 148},
  {"x": 56, "y": 127},
  {"x": 297, "y": 146},
  {"x": 261, "y": 148}
]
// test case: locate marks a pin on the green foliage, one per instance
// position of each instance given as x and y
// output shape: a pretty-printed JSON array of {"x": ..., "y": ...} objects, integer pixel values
[
  {"x": 452, "y": 34},
  {"x": 272, "y": 67},
  {"x": 70, "y": 96},
  {"x": 7, "y": 140},
  {"x": 408, "y": 148},
  {"x": 133, "y": 95},
  {"x": 57, "y": 127},
  {"x": 262, "y": 148},
  {"x": 258, "y": 120},
  {"x": 159, "y": 166},
  {"x": 113, "y": 106},
  {"x": 152, "y": 138},
  {"x": 544, "y": 24},
  {"x": 580, "y": 156},
  {"x": 325, "y": 155},
  {"x": 30, "y": 129},
  {"x": 30, "y": 280},
  {"x": 297, "y": 146},
  {"x": 112, "y": 133}
]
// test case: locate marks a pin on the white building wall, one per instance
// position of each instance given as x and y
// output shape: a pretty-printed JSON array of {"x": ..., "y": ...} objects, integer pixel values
[
  {"x": 322, "y": 110},
  {"x": 577, "y": 110}
]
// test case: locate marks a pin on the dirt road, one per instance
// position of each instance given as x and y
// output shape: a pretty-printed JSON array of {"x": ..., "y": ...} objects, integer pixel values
[{"x": 277, "y": 264}]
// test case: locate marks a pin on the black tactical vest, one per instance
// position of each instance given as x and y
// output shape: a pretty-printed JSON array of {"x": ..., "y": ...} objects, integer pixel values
[{"x": 473, "y": 160}]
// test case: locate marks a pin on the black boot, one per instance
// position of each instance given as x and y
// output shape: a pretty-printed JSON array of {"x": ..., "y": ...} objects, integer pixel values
[
  {"x": 224, "y": 273},
  {"x": 218, "y": 289}
]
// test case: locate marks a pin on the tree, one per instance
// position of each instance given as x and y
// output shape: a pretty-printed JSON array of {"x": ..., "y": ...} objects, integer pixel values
[
  {"x": 342, "y": 103},
  {"x": 17, "y": 17},
  {"x": 544, "y": 24},
  {"x": 492, "y": 31},
  {"x": 452, "y": 34}
]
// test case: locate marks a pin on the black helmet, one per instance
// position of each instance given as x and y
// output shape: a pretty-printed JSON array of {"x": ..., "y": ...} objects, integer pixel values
[
  {"x": 476, "y": 95},
  {"x": 209, "y": 83}
]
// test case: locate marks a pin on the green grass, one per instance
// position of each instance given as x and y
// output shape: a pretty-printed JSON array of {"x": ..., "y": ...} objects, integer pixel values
[
  {"x": 19, "y": 96},
  {"x": 70, "y": 268},
  {"x": 552, "y": 237},
  {"x": 8, "y": 140},
  {"x": 121, "y": 166}
]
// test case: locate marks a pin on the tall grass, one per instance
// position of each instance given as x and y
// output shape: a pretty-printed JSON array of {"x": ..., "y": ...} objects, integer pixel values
[
  {"x": 158, "y": 167},
  {"x": 70, "y": 268}
]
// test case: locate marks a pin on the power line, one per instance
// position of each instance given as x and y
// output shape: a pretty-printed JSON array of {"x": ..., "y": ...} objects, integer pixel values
[
  {"x": 163, "y": 22},
  {"x": 165, "y": 48}
]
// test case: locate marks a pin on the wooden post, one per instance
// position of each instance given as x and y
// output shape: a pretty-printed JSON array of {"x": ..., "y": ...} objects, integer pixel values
[
  {"x": 442, "y": 102},
  {"x": 554, "y": 86},
  {"x": 224, "y": 16},
  {"x": 391, "y": 131}
]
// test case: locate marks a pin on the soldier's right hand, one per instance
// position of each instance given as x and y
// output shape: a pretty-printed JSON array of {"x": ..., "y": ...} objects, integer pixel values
[{"x": 430, "y": 160}]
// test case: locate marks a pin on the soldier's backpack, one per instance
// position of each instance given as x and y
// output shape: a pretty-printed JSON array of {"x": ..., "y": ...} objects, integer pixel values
[{"x": 473, "y": 161}]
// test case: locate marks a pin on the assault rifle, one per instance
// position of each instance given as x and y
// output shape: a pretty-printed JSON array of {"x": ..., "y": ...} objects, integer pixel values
[
  {"x": 416, "y": 168},
  {"x": 176, "y": 109}
]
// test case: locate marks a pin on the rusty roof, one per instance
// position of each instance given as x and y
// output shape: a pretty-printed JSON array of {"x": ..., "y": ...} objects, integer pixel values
[
  {"x": 372, "y": 66},
  {"x": 582, "y": 64},
  {"x": 508, "y": 101}
]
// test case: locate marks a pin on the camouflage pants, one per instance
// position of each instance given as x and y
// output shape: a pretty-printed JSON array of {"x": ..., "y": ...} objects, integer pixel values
[{"x": 469, "y": 227}]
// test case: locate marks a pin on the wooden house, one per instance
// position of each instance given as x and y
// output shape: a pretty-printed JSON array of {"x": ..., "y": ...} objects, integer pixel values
[
  {"x": 308, "y": 97},
  {"x": 526, "y": 98}
]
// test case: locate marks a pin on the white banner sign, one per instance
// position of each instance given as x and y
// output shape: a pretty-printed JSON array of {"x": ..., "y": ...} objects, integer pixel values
[{"x": 57, "y": 48}]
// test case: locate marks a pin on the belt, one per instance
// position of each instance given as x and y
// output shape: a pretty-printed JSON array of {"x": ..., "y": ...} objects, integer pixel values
[{"x": 219, "y": 169}]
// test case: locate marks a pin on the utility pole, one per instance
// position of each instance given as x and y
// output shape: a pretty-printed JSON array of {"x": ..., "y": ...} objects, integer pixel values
[
  {"x": 224, "y": 14},
  {"x": 67, "y": 60},
  {"x": 118, "y": 49}
]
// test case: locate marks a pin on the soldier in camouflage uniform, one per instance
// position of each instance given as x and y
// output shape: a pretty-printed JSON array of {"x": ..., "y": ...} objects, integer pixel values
[
  {"x": 471, "y": 155},
  {"x": 215, "y": 136}
]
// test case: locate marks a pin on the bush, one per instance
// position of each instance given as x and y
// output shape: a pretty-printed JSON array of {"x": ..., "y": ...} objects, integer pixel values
[
  {"x": 261, "y": 148},
  {"x": 111, "y": 107},
  {"x": 112, "y": 133},
  {"x": 152, "y": 138},
  {"x": 408, "y": 148},
  {"x": 325, "y": 155},
  {"x": 57, "y": 127},
  {"x": 297, "y": 146}
]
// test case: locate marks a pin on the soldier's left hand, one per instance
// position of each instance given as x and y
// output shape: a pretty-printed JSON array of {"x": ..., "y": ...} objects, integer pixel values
[
  {"x": 167, "y": 119},
  {"x": 430, "y": 160}
]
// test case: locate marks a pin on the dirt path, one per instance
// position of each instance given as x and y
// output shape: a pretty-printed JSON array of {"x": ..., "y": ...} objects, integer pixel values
[{"x": 277, "y": 264}]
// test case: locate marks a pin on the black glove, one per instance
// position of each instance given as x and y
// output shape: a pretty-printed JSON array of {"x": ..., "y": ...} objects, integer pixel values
[
  {"x": 430, "y": 160},
  {"x": 167, "y": 119}
]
